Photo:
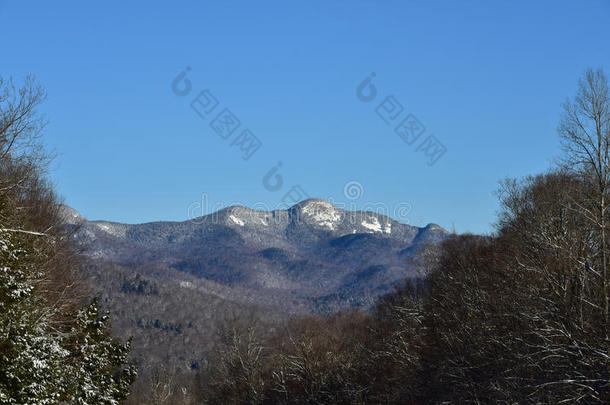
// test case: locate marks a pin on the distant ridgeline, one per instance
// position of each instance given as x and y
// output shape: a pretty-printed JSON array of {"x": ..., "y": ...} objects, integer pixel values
[{"x": 312, "y": 257}]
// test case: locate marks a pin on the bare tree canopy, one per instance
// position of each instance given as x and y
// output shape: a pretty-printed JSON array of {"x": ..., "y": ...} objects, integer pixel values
[
  {"x": 585, "y": 134},
  {"x": 20, "y": 124}
]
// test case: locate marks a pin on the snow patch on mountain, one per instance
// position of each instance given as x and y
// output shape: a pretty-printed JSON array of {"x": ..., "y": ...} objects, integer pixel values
[
  {"x": 187, "y": 284},
  {"x": 388, "y": 227},
  {"x": 322, "y": 213},
  {"x": 372, "y": 224},
  {"x": 236, "y": 220},
  {"x": 118, "y": 230}
]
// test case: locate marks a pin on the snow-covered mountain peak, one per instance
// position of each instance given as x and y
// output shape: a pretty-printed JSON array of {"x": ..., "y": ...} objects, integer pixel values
[{"x": 319, "y": 212}]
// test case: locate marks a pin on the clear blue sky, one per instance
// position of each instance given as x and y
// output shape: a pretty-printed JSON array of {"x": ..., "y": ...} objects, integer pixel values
[{"x": 486, "y": 78}]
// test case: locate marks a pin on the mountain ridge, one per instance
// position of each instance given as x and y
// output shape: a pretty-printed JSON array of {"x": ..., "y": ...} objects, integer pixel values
[
  {"x": 70, "y": 213},
  {"x": 308, "y": 251}
]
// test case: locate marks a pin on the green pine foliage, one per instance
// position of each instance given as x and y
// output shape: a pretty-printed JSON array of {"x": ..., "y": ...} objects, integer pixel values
[
  {"x": 98, "y": 373},
  {"x": 40, "y": 364},
  {"x": 30, "y": 356}
]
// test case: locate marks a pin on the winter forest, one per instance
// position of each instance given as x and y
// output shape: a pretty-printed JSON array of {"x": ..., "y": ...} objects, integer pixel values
[
  {"x": 517, "y": 316},
  {"x": 398, "y": 202}
]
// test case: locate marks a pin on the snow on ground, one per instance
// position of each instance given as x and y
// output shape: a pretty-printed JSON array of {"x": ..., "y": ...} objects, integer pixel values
[
  {"x": 388, "y": 227},
  {"x": 236, "y": 220},
  {"x": 323, "y": 213},
  {"x": 372, "y": 224},
  {"x": 118, "y": 230},
  {"x": 187, "y": 284}
]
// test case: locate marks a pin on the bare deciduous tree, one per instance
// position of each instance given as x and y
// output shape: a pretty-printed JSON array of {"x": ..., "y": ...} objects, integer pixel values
[
  {"x": 21, "y": 127},
  {"x": 237, "y": 372},
  {"x": 585, "y": 135}
]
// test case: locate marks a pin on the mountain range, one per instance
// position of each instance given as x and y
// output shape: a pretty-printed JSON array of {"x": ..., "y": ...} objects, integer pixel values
[{"x": 313, "y": 256}]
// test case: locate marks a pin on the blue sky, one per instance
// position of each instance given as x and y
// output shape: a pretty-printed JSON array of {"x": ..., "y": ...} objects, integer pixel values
[{"x": 485, "y": 78}]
